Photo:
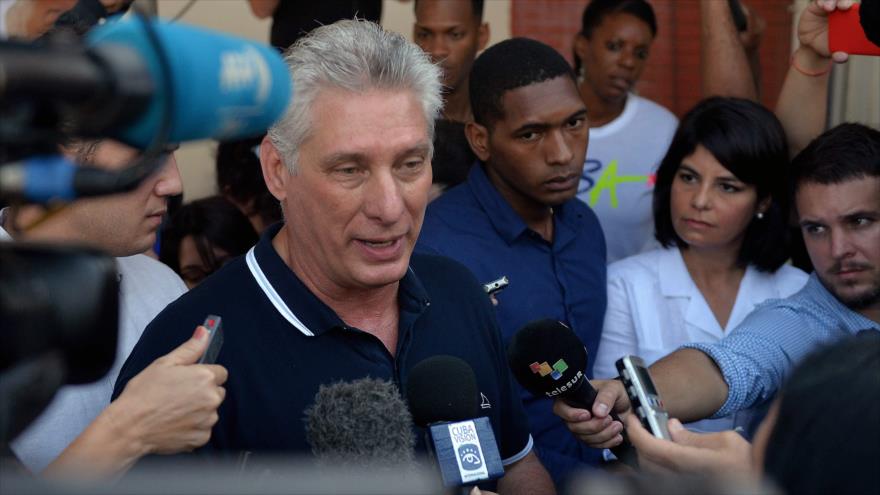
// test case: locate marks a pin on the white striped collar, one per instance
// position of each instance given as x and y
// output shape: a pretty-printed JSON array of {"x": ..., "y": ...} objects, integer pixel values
[{"x": 273, "y": 295}]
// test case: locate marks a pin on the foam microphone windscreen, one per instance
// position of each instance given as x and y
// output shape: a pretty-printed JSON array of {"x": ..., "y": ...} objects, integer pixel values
[
  {"x": 363, "y": 422},
  {"x": 547, "y": 358},
  {"x": 442, "y": 388}
]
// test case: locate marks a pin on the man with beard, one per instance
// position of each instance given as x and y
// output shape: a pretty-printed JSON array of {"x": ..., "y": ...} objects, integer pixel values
[
  {"x": 836, "y": 181},
  {"x": 517, "y": 215}
]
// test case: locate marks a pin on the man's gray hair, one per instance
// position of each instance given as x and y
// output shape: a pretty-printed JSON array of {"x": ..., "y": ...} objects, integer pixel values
[{"x": 356, "y": 56}]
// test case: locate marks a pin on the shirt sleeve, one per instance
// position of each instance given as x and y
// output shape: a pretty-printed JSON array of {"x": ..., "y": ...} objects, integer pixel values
[
  {"x": 618, "y": 332},
  {"x": 758, "y": 355}
]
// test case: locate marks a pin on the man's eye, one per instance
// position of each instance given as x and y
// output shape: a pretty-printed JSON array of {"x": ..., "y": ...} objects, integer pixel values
[
  {"x": 576, "y": 123},
  {"x": 863, "y": 221}
]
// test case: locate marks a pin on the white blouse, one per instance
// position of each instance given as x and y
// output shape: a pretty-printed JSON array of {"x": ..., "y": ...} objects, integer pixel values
[{"x": 654, "y": 307}]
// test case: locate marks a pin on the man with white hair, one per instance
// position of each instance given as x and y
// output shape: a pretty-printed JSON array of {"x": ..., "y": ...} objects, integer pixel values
[{"x": 335, "y": 293}]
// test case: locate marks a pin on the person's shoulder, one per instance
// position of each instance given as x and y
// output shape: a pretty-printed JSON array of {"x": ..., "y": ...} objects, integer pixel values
[
  {"x": 637, "y": 266},
  {"x": 144, "y": 272},
  {"x": 652, "y": 109},
  {"x": 455, "y": 200},
  {"x": 143, "y": 265},
  {"x": 228, "y": 288},
  {"x": 454, "y": 212},
  {"x": 789, "y": 279},
  {"x": 433, "y": 268},
  {"x": 584, "y": 215}
]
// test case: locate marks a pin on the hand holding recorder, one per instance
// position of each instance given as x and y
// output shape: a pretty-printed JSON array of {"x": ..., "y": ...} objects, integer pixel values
[{"x": 169, "y": 407}]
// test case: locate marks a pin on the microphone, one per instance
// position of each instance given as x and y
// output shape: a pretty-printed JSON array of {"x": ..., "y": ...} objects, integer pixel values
[
  {"x": 221, "y": 86},
  {"x": 360, "y": 423},
  {"x": 548, "y": 359},
  {"x": 444, "y": 399},
  {"x": 137, "y": 80}
]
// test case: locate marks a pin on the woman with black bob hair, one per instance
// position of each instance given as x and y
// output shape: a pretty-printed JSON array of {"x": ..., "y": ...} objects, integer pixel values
[
  {"x": 204, "y": 235},
  {"x": 720, "y": 213}
]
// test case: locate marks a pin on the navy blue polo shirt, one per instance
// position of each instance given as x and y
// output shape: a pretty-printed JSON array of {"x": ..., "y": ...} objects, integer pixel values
[
  {"x": 564, "y": 279},
  {"x": 281, "y": 343}
]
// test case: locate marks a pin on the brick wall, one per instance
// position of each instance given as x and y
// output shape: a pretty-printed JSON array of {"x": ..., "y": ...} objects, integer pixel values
[{"x": 672, "y": 77}]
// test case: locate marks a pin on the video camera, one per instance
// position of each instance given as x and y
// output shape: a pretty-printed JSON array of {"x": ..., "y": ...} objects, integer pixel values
[{"x": 59, "y": 305}]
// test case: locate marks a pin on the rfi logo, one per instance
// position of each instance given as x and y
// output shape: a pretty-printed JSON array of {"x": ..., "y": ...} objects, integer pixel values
[{"x": 544, "y": 369}]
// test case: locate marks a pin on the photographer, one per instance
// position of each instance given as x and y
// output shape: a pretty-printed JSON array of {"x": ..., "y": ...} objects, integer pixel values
[{"x": 169, "y": 407}]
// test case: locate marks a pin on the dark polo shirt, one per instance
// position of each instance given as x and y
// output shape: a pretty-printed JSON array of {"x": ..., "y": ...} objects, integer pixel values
[{"x": 282, "y": 343}]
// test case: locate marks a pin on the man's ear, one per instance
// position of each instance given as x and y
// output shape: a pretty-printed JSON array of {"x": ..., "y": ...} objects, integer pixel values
[
  {"x": 275, "y": 172},
  {"x": 478, "y": 137},
  {"x": 482, "y": 36}
]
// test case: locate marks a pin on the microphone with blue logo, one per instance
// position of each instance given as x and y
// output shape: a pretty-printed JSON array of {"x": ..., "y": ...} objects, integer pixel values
[
  {"x": 136, "y": 79},
  {"x": 548, "y": 359},
  {"x": 444, "y": 399}
]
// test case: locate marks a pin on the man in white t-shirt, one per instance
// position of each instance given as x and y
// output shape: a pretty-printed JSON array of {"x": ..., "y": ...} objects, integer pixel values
[
  {"x": 122, "y": 225},
  {"x": 618, "y": 178}
]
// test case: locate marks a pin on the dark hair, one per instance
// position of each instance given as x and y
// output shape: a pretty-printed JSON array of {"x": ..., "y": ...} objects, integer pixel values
[
  {"x": 508, "y": 65},
  {"x": 240, "y": 178},
  {"x": 841, "y": 154},
  {"x": 748, "y": 140},
  {"x": 212, "y": 222},
  {"x": 476, "y": 9},
  {"x": 827, "y": 435},
  {"x": 597, "y": 10},
  {"x": 869, "y": 18}
]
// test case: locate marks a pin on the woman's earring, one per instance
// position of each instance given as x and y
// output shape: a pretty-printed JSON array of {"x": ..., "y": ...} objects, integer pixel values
[{"x": 760, "y": 215}]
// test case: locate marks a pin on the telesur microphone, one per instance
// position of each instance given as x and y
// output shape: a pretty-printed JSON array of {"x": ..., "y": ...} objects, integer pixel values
[
  {"x": 443, "y": 397},
  {"x": 548, "y": 359},
  {"x": 360, "y": 423}
]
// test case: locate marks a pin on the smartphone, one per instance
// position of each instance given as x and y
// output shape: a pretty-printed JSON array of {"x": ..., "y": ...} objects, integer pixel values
[
  {"x": 643, "y": 395},
  {"x": 214, "y": 324},
  {"x": 496, "y": 286},
  {"x": 845, "y": 33}
]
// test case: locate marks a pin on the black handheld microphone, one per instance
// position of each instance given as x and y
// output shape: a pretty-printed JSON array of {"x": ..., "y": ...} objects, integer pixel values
[
  {"x": 548, "y": 359},
  {"x": 363, "y": 423},
  {"x": 444, "y": 398}
]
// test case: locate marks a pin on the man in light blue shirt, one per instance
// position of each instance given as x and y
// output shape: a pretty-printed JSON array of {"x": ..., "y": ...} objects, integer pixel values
[{"x": 836, "y": 180}]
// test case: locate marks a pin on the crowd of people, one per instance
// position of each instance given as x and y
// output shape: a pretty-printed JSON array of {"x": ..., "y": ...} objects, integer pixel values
[{"x": 353, "y": 240}]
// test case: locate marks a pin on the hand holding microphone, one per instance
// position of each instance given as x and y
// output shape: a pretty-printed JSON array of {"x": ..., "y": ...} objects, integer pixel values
[{"x": 549, "y": 360}]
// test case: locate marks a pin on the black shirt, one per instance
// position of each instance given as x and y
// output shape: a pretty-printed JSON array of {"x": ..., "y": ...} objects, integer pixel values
[{"x": 281, "y": 343}]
